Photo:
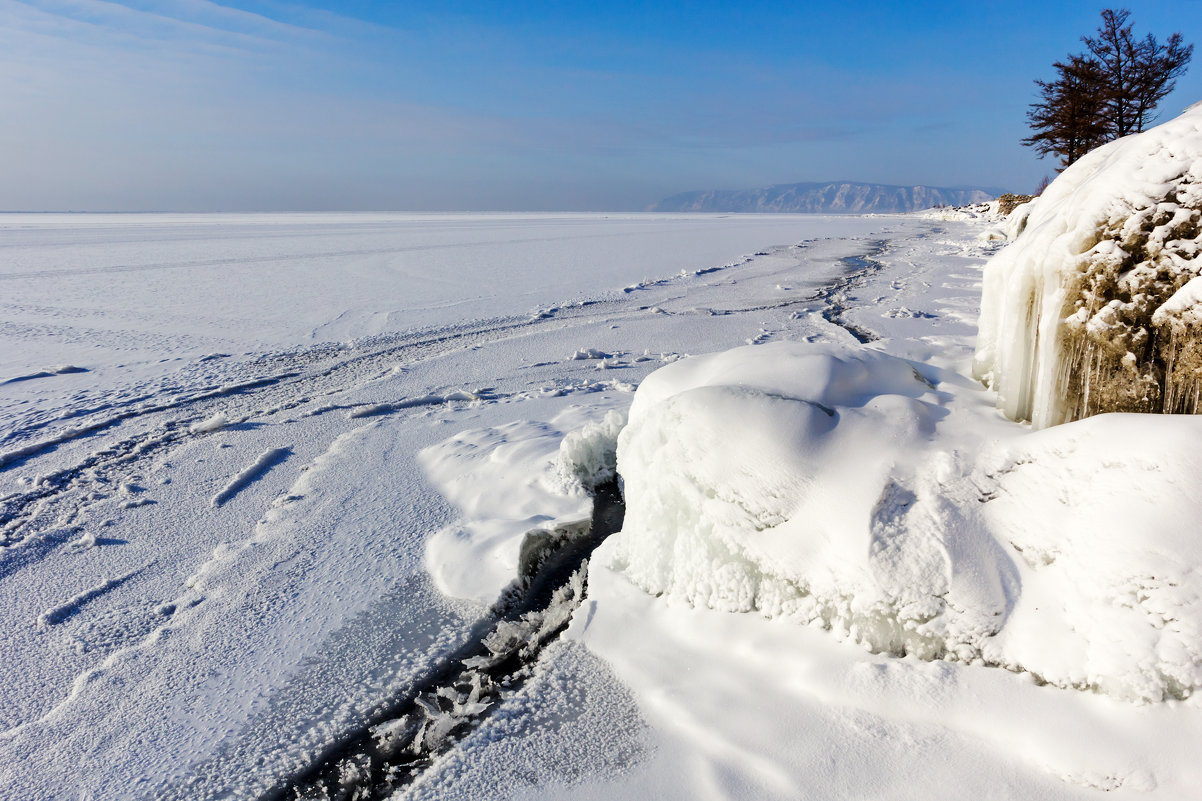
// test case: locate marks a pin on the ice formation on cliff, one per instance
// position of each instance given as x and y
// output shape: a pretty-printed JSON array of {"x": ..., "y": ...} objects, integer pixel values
[{"x": 1090, "y": 309}]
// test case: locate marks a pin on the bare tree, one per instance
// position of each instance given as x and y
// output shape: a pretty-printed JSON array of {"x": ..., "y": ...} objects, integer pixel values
[{"x": 1108, "y": 92}]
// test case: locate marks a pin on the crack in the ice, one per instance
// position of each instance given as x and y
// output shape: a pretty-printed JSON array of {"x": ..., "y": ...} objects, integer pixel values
[
  {"x": 408, "y": 732},
  {"x": 835, "y": 295}
]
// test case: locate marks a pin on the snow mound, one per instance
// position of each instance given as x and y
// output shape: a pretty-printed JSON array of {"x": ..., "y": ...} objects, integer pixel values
[
  {"x": 1070, "y": 323},
  {"x": 517, "y": 488},
  {"x": 751, "y": 480},
  {"x": 1100, "y": 516},
  {"x": 806, "y": 481}
]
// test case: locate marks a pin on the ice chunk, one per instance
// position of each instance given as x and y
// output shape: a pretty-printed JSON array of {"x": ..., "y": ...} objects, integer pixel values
[
  {"x": 585, "y": 354},
  {"x": 216, "y": 422},
  {"x": 588, "y": 457}
]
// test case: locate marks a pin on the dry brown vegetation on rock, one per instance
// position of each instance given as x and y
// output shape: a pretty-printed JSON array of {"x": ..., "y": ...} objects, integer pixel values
[
  {"x": 1120, "y": 355},
  {"x": 1010, "y": 201}
]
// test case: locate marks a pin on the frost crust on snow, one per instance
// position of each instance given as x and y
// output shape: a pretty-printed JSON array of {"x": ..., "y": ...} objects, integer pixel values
[
  {"x": 1080, "y": 315},
  {"x": 804, "y": 481},
  {"x": 588, "y": 456}
]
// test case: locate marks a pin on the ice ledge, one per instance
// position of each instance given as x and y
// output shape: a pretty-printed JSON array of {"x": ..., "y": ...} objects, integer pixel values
[{"x": 1068, "y": 324}]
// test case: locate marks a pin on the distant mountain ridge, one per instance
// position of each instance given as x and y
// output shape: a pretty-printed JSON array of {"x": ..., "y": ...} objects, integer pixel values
[{"x": 848, "y": 197}]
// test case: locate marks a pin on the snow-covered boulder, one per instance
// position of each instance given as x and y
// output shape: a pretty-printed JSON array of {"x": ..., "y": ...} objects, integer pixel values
[
  {"x": 814, "y": 483},
  {"x": 1080, "y": 314},
  {"x": 767, "y": 479}
]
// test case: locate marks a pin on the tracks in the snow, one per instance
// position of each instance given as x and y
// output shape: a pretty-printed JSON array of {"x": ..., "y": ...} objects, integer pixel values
[
  {"x": 163, "y": 417},
  {"x": 168, "y": 417}
]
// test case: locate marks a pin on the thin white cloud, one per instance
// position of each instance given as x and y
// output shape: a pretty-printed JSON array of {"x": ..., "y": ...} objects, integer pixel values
[{"x": 175, "y": 20}]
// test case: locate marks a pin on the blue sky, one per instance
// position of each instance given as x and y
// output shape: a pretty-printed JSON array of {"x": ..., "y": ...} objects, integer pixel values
[{"x": 273, "y": 105}]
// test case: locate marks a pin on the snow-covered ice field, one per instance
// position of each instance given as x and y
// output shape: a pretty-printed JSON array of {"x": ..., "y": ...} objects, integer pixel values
[{"x": 258, "y": 473}]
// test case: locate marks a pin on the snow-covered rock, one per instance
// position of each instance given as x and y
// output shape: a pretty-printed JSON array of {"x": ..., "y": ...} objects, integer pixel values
[
  {"x": 1070, "y": 323},
  {"x": 751, "y": 481},
  {"x": 973, "y": 211},
  {"x": 812, "y": 482}
]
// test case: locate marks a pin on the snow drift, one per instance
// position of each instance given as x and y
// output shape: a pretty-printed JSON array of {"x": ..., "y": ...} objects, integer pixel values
[
  {"x": 806, "y": 481},
  {"x": 1091, "y": 309}
]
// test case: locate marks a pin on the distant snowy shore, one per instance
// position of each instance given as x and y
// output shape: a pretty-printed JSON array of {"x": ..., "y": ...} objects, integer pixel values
[{"x": 834, "y": 197}]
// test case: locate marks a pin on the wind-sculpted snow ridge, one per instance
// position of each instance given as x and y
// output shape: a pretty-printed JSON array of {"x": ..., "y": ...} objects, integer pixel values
[
  {"x": 266, "y": 460},
  {"x": 62, "y": 369},
  {"x": 805, "y": 481},
  {"x": 64, "y": 610},
  {"x": 1091, "y": 308}
]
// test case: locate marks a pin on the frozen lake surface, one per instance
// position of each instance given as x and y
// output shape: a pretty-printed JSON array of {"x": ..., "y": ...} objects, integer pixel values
[
  {"x": 214, "y": 516},
  {"x": 261, "y": 474},
  {"x": 135, "y": 288}
]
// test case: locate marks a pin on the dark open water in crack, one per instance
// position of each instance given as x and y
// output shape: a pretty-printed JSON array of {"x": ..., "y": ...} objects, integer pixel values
[
  {"x": 412, "y": 729},
  {"x": 835, "y": 296}
]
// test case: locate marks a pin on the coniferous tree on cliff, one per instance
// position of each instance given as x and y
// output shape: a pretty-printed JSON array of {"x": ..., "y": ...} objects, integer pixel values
[
  {"x": 1110, "y": 91},
  {"x": 1068, "y": 121}
]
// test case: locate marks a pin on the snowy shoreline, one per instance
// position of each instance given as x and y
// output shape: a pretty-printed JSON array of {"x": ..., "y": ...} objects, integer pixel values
[{"x": 749, "y": 476}]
